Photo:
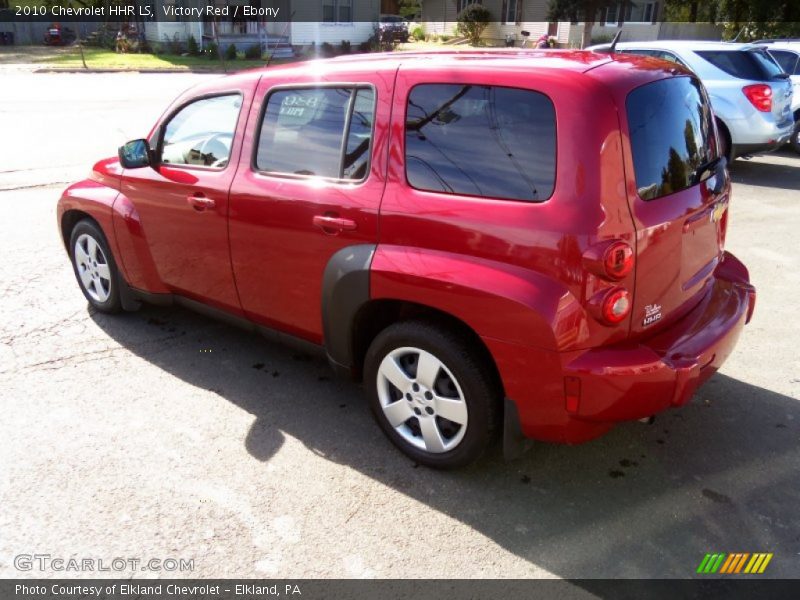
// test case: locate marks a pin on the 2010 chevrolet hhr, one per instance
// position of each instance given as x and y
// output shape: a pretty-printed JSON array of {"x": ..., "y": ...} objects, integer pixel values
[{"x": 520, "y": 241}]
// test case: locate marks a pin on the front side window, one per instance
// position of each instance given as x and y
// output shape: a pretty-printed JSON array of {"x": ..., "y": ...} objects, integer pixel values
[
  {"x": 319, "y": 132},
  {"x": 201, "y": 133},
  {"x": 481, "y": 140},
  {"x": 671, "y": 134}
]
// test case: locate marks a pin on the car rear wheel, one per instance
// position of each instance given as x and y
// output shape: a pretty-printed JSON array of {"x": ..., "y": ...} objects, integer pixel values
[
  {"x": 431, "y": 393},
  {"x": 795, "y": 140},
  {"x": 94, "y": 267}
]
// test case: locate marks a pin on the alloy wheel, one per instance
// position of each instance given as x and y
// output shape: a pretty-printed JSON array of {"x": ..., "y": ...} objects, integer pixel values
[
  {"x": 421, "y": 398},
  {"x": 93, "y": 268}
]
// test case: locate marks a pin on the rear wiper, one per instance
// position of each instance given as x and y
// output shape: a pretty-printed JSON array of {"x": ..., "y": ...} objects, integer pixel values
[{"x": 712, "y": 168}]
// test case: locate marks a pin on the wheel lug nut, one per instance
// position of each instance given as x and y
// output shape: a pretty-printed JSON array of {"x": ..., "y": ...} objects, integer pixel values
[
  {"x": 417, "y": 411},
  {"x": 408, "y": 397},
  {"x": 429, "y": 410},
  {"x": 415, "y": 387},
  {"x": 429, "y": 396}
]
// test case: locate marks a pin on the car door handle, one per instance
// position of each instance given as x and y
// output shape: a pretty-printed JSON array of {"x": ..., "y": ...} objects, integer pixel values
[
  {"x": 331, "y": 223},
  {"x": 200, "y": 202}
]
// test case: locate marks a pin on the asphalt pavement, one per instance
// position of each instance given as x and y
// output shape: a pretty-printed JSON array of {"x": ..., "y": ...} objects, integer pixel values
[{"x": 163, "y": 434}]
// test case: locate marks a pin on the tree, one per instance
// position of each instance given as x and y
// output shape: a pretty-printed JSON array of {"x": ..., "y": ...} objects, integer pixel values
[
  {"x": 579, "y": 10},
  {"x": 472, "y": 21},
  {"x": 409, "y": 8}
]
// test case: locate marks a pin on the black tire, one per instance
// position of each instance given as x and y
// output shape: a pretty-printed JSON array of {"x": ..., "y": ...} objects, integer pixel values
[
  {"x": 794, "y": 142},
  {"x": 726, "y": 146},
  {"x": 109, "y": 286},
  {"x": 472, "y": 375}
]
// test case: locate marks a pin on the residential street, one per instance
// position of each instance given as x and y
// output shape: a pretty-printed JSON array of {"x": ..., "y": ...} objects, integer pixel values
[{"x": 163, "y": 434}]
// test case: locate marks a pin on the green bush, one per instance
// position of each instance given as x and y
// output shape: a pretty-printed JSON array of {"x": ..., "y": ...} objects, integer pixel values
[
  {"x": 191, "y": 46},
  {"x": 344, "y": 47},
  {"x": 472, "y": 21},
  {"x": 212, "y": 50},
  {"x": 253, "y": 52},
  {"x": 230, "y": 52},
  {"x": 326, "y": 49},
  {"x": 173, "y": 45},
  {"x": 418, "y": 33}
]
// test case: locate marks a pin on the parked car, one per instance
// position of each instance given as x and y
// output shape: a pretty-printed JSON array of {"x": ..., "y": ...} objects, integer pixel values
[
  {"x": 749, "y": 92},
  {"x": 787, "y": 55},
  {"x": 393, "y": 28},
  {"x": 501, "y": 240}
]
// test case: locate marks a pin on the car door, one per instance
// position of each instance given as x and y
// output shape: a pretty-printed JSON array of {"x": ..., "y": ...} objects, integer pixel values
[
  {"x": 315, "y": 150},
  {"x": 182, "y": 201}
]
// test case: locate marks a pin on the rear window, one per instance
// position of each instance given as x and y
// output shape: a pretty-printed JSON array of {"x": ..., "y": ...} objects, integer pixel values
[
  {"x": 481, "y": 140},
  {"x": 787, "y": 60},
  {"x": 744, "y": 64},
  {"x": 671, "y": 135}
]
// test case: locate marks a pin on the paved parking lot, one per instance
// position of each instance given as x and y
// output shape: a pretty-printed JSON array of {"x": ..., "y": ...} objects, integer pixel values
[{"x": 163, "y": 434}]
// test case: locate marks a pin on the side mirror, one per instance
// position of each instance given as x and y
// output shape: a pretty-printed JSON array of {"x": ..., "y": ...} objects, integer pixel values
[{"x": 135, "y": 154}]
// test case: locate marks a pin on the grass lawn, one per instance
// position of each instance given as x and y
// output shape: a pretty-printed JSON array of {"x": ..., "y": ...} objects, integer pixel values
[{"x": 101, "y": 58}]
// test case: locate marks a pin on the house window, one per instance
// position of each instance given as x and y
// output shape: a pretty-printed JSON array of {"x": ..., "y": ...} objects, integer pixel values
[
  {"x": 641, "y": 12},
  {"x": 337, "y": 11},
  {"x": 512, "y": 10},
  {"x": 612, "y": 14},
  {"x": 462, "y": 4},
  {"x": 633, "y": 12}
]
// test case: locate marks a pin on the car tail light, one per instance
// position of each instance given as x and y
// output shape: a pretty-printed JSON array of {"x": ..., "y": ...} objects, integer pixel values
[
  {"x": 618, "y": 260},
  {"x": 616, "y": 306},
  {"x": 760, "y": 96},
  {"x": 572, "y": 394}
]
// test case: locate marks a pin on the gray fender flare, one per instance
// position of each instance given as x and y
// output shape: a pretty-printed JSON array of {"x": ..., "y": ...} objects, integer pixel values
[{"x": 345, "y": 289}]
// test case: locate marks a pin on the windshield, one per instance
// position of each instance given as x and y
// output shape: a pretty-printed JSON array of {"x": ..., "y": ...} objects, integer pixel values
[{"x": 671, "y": 134}]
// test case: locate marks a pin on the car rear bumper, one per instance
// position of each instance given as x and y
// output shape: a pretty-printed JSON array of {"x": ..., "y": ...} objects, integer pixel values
[
  {"x": 584, "y": 393},
  {"x": 759, "y": 134},
  {"x": 620, "y": 383}
]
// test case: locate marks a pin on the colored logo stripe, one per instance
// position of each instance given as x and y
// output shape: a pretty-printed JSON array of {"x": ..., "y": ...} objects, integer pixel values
[
  {"x": 710, "y": 563},
  {"x": 735, "y": 562}
]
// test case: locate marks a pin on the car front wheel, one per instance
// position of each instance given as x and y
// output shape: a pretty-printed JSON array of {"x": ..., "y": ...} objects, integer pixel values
[
  {"x": 94, "y": 267},
  {"x": 432, "y": 393}
]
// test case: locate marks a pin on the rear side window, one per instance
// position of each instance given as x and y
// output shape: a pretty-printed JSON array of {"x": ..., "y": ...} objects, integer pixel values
[
  {"x": 787, "y": 60},
  {"x": 481, "y": 141},
  {"x": 750, "y": 64},
  {"x": 671, "y": 135},
  {"x": 320, "y": 132}
]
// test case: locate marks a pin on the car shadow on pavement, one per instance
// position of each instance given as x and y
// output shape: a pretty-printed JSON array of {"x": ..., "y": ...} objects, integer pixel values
[
  {"x": 763, "y": 173},
  {"x": 720, "y": 475}
]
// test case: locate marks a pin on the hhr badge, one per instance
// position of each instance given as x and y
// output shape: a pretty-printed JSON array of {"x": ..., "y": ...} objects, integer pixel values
[{"x": 652, "y": 313}]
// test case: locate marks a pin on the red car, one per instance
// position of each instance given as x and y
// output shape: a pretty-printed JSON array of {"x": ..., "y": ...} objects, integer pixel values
[{"x": 518, "y": 241}]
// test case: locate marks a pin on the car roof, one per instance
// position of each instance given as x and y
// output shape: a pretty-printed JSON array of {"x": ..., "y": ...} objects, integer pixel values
[
  {"x": 790, "y": 46},
  {"x": 679, "y": 45},
  {"x": 616, "y": 68}
]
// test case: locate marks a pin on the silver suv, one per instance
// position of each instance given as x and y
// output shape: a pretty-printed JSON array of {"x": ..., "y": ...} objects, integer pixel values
[
  {"x": 787, "y": 54},
  {"x": 750, "y": 94}
]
